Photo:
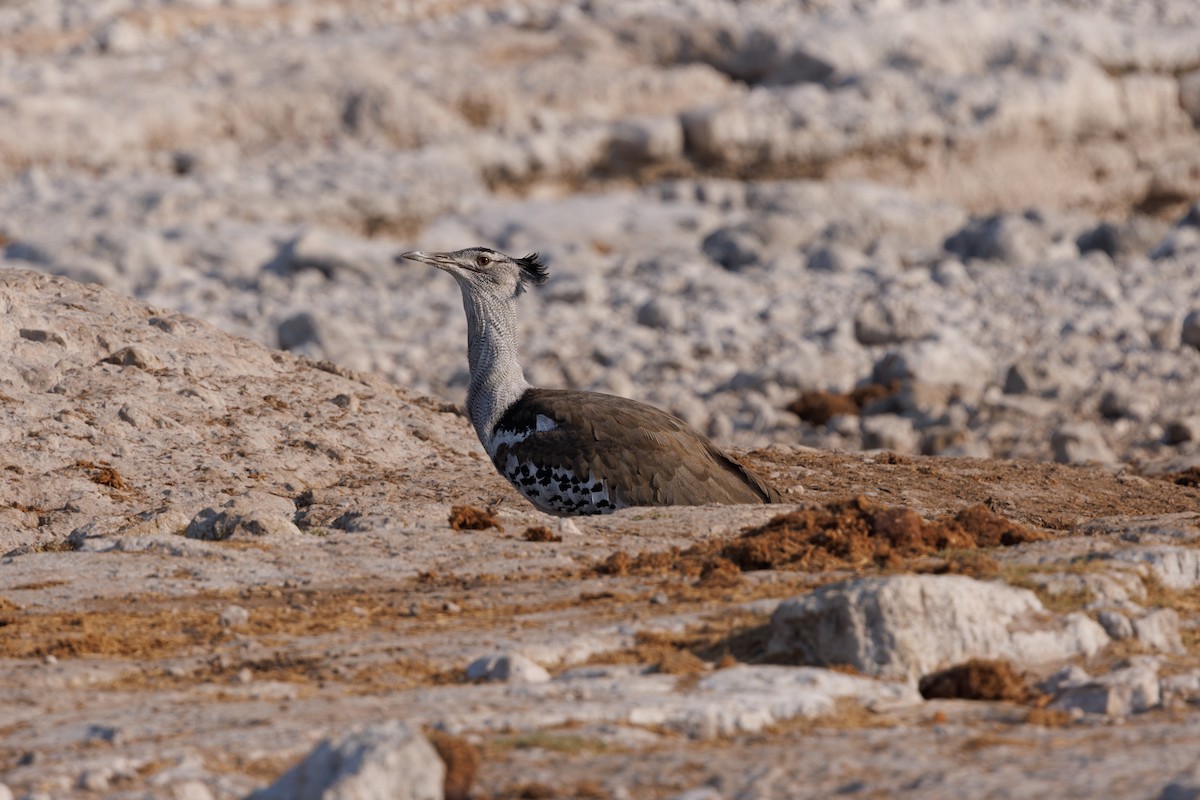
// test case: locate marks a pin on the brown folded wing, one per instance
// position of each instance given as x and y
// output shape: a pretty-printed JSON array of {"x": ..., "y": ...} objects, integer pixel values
[{"x": 643, "y": 456}]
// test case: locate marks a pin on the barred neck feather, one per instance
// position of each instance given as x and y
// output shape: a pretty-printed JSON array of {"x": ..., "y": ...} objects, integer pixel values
[{"x": 496, "y": 377}]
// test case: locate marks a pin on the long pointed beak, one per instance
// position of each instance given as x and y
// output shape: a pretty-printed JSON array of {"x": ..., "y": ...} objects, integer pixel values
[
  {"x": 443, "y": 261},
  {"x": 417, "y": 255}
]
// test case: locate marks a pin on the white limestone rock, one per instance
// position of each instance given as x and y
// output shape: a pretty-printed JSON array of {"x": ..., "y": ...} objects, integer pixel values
[
  {"x": 1009, "y": 238},
  {"x": 387, "y": 761},
  {"x": 907, "y": 626},
  {"x": 1159, "y": 631},
  {"x": 1115, "y": 624},
  {"x": 1176, "y": 567},
  {"x": 951, "y": 362},
  {"x": 888, "y": 432},
  {"x": 1127, "y": 690},
  {"x": 891, "y": 319},
  {"x": 749, "y": 698},
  {"x": 1118, "y": 588},
  {"x": 247, "y": 516},
  {"x": 233, "y": 616},
  {"x": 639, "y": 141},
  {"x": 1081, "y": 443},
  {"x": 507, "y": 668}
]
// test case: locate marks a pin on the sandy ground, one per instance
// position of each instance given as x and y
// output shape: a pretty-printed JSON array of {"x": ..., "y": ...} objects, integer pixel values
[{"x": 868, "y": 246}]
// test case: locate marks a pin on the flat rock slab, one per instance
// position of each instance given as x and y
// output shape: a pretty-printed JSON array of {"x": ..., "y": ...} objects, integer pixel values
[{"x": 907, "y": 626}]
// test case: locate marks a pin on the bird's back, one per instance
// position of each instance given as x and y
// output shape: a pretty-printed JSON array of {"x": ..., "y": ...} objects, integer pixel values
[{"x": 573, "y": 452}]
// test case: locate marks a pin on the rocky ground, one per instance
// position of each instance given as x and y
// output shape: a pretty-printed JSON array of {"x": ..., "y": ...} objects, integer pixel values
[{"x": 874, "y": 245}]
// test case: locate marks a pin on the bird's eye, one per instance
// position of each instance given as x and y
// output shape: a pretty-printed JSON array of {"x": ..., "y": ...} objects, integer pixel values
[{"x": 482, "y": 260}]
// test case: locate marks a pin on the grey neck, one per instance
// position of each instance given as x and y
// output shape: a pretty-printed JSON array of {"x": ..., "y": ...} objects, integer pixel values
[{"x": 496, "y": 377}]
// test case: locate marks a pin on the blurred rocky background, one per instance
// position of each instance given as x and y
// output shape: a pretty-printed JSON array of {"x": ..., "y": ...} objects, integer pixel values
[{"x": 976, "y": 214}]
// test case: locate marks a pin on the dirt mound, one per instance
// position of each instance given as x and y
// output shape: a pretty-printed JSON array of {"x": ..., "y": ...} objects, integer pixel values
[
  {"x": 540, "y": 533},
  {"x": 859, "y": 532},
  {"x": 819, "y": 407},
  {"x": 1187, "y": 477},
  {"x": 848, "y": 534},
  {"x": 471, "y": 518},
  {"x": 461, "y": 759},
  {"x": 978, "y": 679}
]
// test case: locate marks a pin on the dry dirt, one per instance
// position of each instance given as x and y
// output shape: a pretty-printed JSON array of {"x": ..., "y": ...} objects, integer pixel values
[
  {"x": 166, "y": 648},
  {"x": 118, "y": 645}
]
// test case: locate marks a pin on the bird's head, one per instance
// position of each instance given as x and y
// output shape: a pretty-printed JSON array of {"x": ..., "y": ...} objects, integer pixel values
[{"x": 484, "y": 270}]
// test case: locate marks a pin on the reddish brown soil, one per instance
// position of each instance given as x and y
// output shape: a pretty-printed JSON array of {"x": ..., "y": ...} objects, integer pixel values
[
  {"x": 978, "y": 679},
  {"x": 462, "y": 763},
  {"x": 1052, "y": 496},
  {"x": 819, "y": 407},
  {"x": 540, "y": 534},
  {"x": 848, "y": 534},
  {"x": 470, "y": 518},
  {"x": 1188, "y": 477}
]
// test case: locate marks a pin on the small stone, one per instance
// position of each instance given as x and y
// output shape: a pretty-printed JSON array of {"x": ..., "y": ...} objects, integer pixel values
[
  {"x": 133, "y": 356},
  {"x": 950, "y": 273},
  {"x": 41, "y": 336},
  {"x": 659, "y": 599},
  {"x": 835, "y": 258},
  {"x": 346, "y": 401},
  {"x": 1182, "y": 430},
  {"x": 1093, "y": 698},
  {"x": 5, "y": 792},
  {"x": 699, "y": 793},
  {"x": 450, "y": 607},
  {"x": 891, "y": 320},
  {"x": 1015, "y": 239},
  {"x": 950, "y": 362},
  {"x": 50, "y": 659},
  {"x": 1131, "y": 689},
  {"x": 104, "y": 733},
  {"x": 1130, "y": 404},
  {"x": 565, "y": 526},
  {"x": 1115, "y": 624},
  {"x": 733, "y": 248},
  {"x": 508, "y": 668},
  {"x": 190, "y": 790},
  {"x": 644, "y": 140},
  {"x": 1065, "y": 678},
  {"x": 233, "y": 616},
  {"x": 1081, "y": 443},
  {"x": 388, "y": 761},
  {"x": 245, "y": 517},
  {"x": 1190, "y": 333},
  {"x": 906, "y": 626},
  {"x": 662, "y": 314},
  {"x": 1159, "y": 631},
  {"x": 1189, "y": 98},
  {"x": 245, "y": 675},
  {"x": 136, "y": 417},
  {"x": 94, "y": 779},
  {"x": 888, "y": 432},
  {"x": 1105, "y": 237},
  {"x": 298, "y": 331}
]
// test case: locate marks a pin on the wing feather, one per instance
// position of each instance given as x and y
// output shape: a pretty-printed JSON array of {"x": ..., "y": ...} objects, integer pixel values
[{"x": 643, "y": 455}]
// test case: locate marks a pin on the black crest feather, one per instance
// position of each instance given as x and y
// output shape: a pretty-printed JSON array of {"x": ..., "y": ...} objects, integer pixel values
[{"x": 533, "y": 269}]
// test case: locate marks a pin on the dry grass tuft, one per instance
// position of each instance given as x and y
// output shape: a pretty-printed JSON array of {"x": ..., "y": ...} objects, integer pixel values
[{"x": 470, "y": 518}]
